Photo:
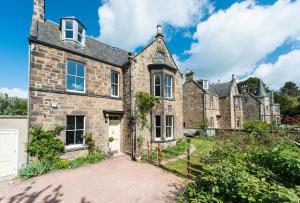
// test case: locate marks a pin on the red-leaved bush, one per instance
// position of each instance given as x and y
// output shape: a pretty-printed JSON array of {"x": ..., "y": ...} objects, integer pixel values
[{"x": 291, "y": 120}]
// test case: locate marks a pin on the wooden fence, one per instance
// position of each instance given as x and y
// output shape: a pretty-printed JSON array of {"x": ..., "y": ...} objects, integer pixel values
[{"x": 156, "y": 155}]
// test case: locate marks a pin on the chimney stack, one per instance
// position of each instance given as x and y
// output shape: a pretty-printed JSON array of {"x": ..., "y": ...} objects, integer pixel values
[
  {"x": 39, "y": 10},
  {"x": 159, "y": 31},
  {"x": 189, "y": 76},
  {"x": 233, "y": 77}
]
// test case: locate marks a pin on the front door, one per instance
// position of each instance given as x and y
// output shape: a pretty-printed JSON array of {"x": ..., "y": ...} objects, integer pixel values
[{"x": 115, "y": 132}]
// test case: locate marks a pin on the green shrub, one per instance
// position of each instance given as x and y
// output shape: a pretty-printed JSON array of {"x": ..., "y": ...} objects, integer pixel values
[
  {"x": 34, "y": 169},
  {"x": 60, "y": 164},
  {"x": 93, "y": 158},
  {"x": 90, "y": 142},
  {"x": 140, "y": 141},
  {"x": 45, "y": 144},
  {"x": 256, "y": 127},
  {"x": 242, "y": 168},
  {"x": 180, "y": 147}
]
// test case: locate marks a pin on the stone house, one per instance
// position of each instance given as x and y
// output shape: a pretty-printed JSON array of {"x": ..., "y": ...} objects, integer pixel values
[
  {"x": 89, "y": 86},
  {"x": 219, "y": 103},
  {"x": 261, "y": 105}
]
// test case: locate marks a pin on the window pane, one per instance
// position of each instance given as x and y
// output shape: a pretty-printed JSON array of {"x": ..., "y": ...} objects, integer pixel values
[
  {"x": 79, "y": 137},
  {"x": 157, "y": 79},
  {"x": 71, "y": 82},
  {"x": 157, "y": 91},
  {"x": 79, "y": 122},
  {"x": 157, "y": 132},
  {"x": 168, "y": 132},
  {"x": 69, "y": 24},
  {"x": 79, "y": 84},
  {"x": 71, "y": 67},
  {"x": 70, "y": 122},
  {"x": 168, "y": 92},
  {"x": 80, "y": 69},
  {"x": 79, "y": 38},
  {"x": 116, "y": 75},
  {"x": 69, "y": 34},
  {"x": 157, "y": 121},
  {"x": 80, "y": 29},
  {"x": 70, "y": 137}
]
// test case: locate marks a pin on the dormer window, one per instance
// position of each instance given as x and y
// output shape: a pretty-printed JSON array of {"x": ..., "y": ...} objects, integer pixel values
[
  {"x": 72, "y": 30},
  {"x": 205, "y": 84}
]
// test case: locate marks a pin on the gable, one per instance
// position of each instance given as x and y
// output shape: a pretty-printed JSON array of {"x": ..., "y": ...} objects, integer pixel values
[{"x": 153, "y": 52}]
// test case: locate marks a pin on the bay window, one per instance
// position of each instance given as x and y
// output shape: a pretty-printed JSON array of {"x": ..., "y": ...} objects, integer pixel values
[
  {"x": 168, "y": 86},
  {"x": 157, "y": 127},
  {"x": 73, "y": 30},
  {"x": 169, "y": 127}
]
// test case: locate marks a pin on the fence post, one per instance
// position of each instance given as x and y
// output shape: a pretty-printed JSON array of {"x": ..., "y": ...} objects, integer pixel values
[
  {"x": 148, "y": 151},
  {"x": 158, "y": 155},
  {"x": 188, "y": 158}
]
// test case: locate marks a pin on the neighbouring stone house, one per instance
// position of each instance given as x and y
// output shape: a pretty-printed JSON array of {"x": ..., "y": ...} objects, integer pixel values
[
  {"x": 261, "y": 105},
  {"x": 219, "y": 103},
  {"x": 87, "y": 85}
]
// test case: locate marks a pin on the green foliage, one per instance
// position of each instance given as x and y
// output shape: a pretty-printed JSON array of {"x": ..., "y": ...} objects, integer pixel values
[
  {"x": 60, "y": 164},
  {"x": 256, "y": 127},
  {"x": 12, "y": 105},
  {"x": 203, "y": 124},
  {"x": 111, "y": 139},
  {"x": 45, "y": 144},
  {"x": 90, "y": 142},
  {"x": 91, "y": 159},
  {"x": 290, "y": 88},
  {"x": 242, "y": 168},
  {"x": 144, "y": 102},
  {"x": 250, "y": 85},
  {"x": 180, "y": 147},
  {"x": 140, "y": 141},
  {"x": 34, "y": 169}
]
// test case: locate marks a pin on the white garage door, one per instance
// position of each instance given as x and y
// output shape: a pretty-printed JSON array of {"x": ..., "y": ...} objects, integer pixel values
[{"x": 8, "y": 153}]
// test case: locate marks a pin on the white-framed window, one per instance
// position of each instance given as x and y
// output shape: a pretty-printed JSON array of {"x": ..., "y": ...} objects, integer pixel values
[
  {"x": 211, "y": 102},
  {"x": 238, "y": 104},
  {"x": 205, "y": 84},
  {"x": 73, "y": 30},
  {"x": 75, "y": 76},
  {"x": 157, "y": 127},
  {"x": 75, "y": 130},
  {"x": 238, "y": 122},
  {"x": 157, "y": 85},
  {"x": 115, "y": 76},
  {"x": 211, "y": 122},
  {"x": 169, "y": 127},
  {"x": 168, "y": 86}
]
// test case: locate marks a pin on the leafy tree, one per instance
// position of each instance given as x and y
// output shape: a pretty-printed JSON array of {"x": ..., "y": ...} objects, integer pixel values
[
  {"x": 251, "y": 85},
  {"x": 12, "y": 105},
  {"x": 290, "y": 88}
]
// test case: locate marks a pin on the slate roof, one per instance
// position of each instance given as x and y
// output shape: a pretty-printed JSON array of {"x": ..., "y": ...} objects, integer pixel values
[
  {"x": 48, "y": 32},
  {"x": 261, "y": 92},
  {"x": 218, "y": 89}
]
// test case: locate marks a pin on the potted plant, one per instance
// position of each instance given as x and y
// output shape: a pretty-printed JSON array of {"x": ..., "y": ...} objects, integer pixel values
[{"x": 110, "y": 140}]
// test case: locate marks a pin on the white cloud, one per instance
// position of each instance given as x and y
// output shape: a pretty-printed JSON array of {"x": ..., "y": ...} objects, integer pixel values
[
  {"x": 234, "y": 40},
  {"x": 15, "y": 92},
  {"x": 131, "y": 23},
  {"x": 286, "y": 68}
]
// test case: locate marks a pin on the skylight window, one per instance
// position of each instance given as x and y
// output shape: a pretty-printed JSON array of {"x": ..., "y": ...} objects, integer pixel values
[{"x": 73, "y": 30}]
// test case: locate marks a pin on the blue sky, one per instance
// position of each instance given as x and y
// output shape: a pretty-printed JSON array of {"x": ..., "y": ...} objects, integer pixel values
[{"x": 213, "y": 38}]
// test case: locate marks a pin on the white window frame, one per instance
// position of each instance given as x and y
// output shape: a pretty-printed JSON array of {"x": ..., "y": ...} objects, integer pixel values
[
  {"x": 84, "y": 72},
  {"x": 158, "y": 138},
  {"x": 155, "y": 85},
  {"x": 205, "y": 84},
  {"x": 118, "y": 85},
  {"x": 170, "y": 126},
  {"x": 171, "y": 86},
  {"x": 74, "y": 146},
  {"x": 75, "y": 31}
]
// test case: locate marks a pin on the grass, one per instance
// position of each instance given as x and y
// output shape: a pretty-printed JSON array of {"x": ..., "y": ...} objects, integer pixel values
[{"x": 202, "y": 145}]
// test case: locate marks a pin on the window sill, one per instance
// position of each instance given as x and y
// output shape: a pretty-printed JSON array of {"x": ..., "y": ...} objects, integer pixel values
[
  {"x": 169, "y": 99},
  {"x": 164, "y": 141},
  {"x": 76, "y": 92},
  {"x": 71, "y": 148}
]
